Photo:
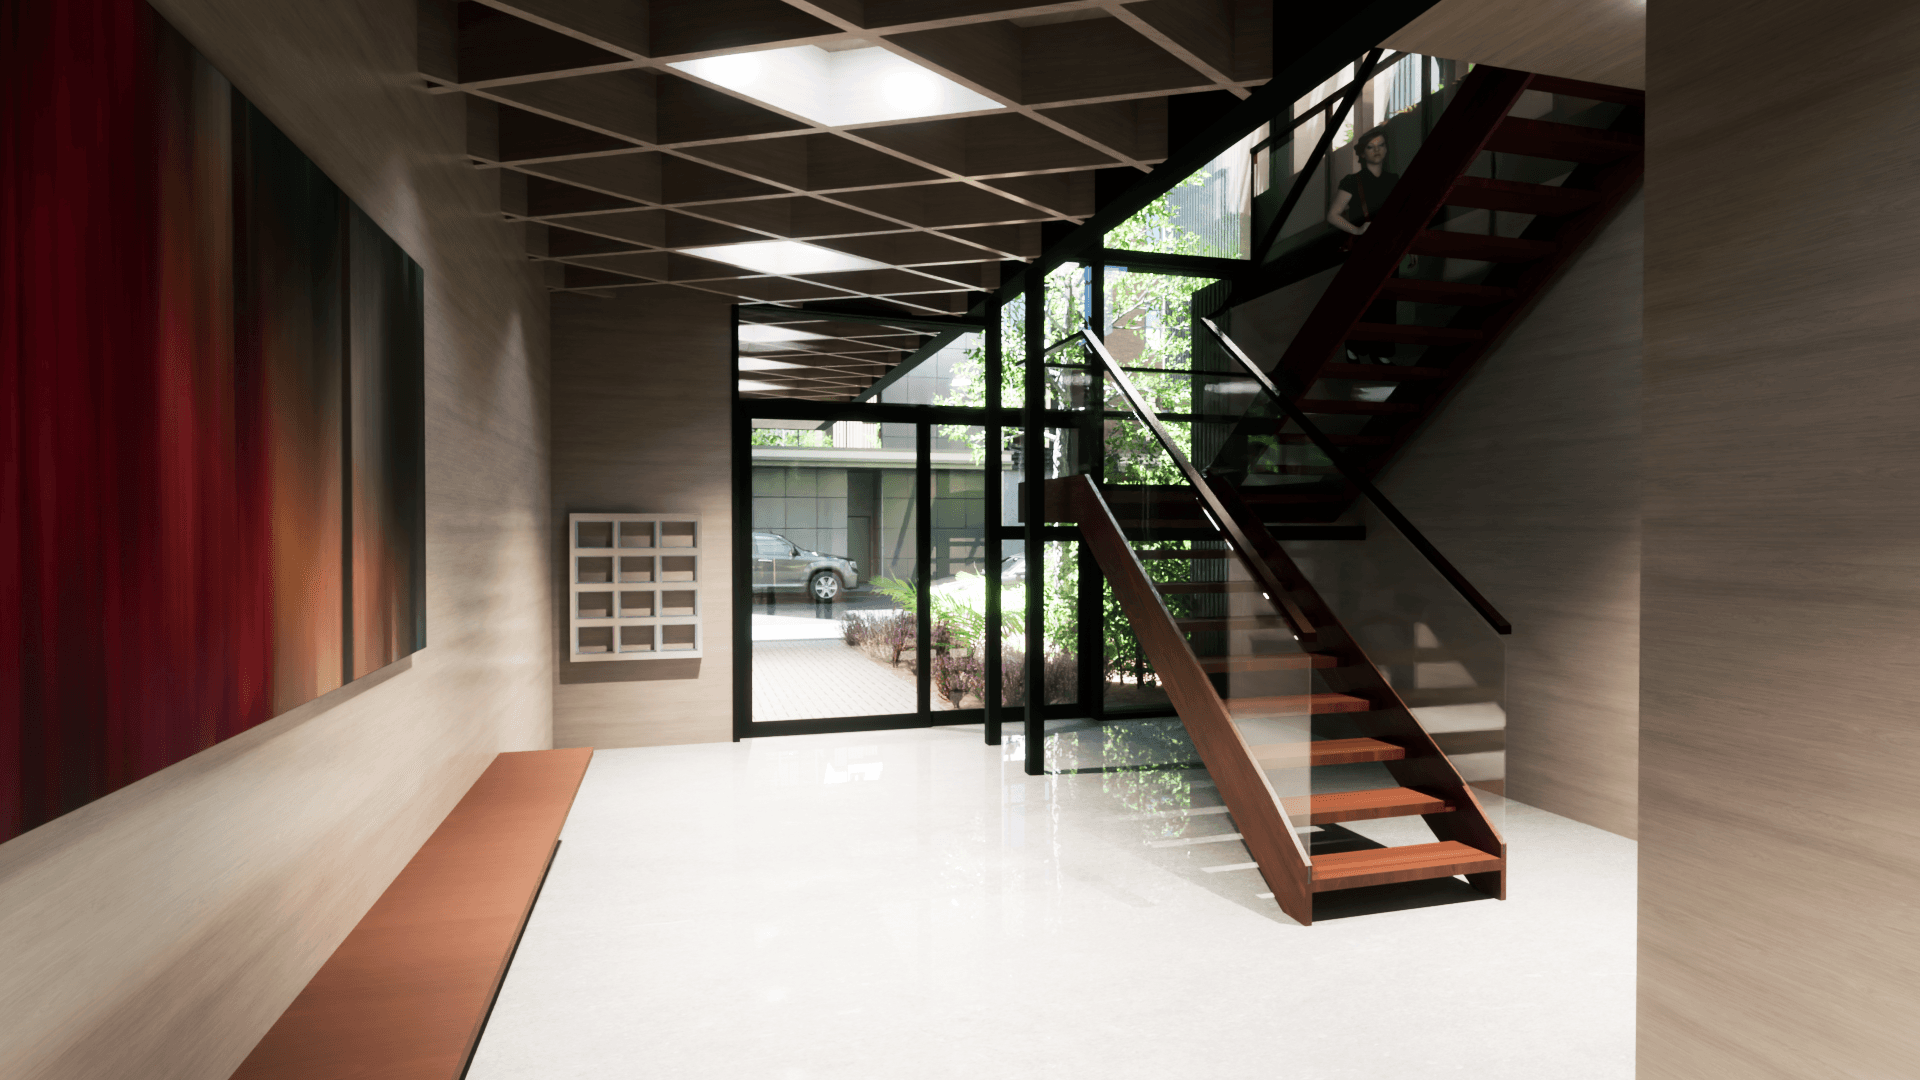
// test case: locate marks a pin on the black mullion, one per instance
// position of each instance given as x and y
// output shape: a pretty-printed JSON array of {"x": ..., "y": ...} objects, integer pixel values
[
  {"x": 742, "y": 468},
  {"x": 992, "y": 687},
  {"x": 1033, "y": 441},
  {"x": 923, "y": 581},
  {"x": 1092, "y": 645}
]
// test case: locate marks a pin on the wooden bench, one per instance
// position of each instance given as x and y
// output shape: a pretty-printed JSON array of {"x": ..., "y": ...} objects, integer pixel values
[{"x": 405, "y": 996}]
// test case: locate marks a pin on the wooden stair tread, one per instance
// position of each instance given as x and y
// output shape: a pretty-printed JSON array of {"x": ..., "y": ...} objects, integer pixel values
[
  {"x": 1414, "y": 335},
  {"x": 1253, "y": 708},
  {"x": 1384, "y": 866},
  {"x": 1381, "y": 372},
  {"x": 1591, "y": 91},
  {"x": 1562, "y": 142},
  {"x": 1331, "y": 407},
  {"x": 1457, "y": 293},
  {"x": 1480, "y": 193},
  {"x": 1455, "y": 245},
  {"x": 1295, "y": 437},
  {"x": 1220, "y": 665},
  {"x": 1326, "y": 752},
  {"x": 1364, "y": 805},
  {"x": 1188, "y": 499},
  {"x": 1171, "y": 587},
  {"x": 1207, "y": 624},
  {"x": 1180, "y": 553}
]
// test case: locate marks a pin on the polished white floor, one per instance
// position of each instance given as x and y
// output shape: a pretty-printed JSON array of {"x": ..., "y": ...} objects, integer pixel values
[{"x": 909, "y": 904}]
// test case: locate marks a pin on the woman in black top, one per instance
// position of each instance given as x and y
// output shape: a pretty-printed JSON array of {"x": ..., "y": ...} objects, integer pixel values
[{"x": 1361, "y": 195}]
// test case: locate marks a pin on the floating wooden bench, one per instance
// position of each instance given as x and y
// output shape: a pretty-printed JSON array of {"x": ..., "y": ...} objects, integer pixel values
[{"x": 404, "y": 997}]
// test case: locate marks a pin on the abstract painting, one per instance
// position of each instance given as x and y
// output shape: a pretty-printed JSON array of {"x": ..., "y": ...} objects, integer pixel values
[{"x": 212, "y": 457}]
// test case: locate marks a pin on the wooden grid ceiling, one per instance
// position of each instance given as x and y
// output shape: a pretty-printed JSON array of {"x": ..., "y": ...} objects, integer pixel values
[{"x": 619, "y": 163}]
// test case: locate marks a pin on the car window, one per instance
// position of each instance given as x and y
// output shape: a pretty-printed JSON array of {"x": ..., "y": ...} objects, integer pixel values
[{"x": 771, "y": 547}]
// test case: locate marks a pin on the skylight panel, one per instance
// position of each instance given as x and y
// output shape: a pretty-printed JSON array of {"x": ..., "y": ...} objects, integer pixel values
[
  {"x": 761, "y": 332},
  {"x": 839, "y": 87},
  {"x": 784, "y": 257}
]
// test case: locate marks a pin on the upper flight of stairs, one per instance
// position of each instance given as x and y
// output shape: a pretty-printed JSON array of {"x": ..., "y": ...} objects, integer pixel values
[
  {"x": 1604, "y": 166},
  {"x": 1223, "y": 669}
]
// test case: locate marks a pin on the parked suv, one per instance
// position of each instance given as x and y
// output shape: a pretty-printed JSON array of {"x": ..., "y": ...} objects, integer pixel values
[{"x": 779, "y": 563}]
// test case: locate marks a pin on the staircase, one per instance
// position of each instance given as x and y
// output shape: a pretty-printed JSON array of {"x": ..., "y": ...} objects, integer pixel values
[
  {"x": 1275, "y": 692},
  {"x": 1298, "y": 727},
  {"x": 1468, "y": 317}
]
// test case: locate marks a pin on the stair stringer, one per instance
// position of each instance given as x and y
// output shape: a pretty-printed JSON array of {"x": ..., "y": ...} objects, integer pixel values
[{"x": 1269, "y": 834}]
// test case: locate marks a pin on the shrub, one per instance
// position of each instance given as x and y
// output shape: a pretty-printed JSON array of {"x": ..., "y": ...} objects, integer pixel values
[
  {"x": 1061, "y": 674},
  {"x": 955, "y": 675}
]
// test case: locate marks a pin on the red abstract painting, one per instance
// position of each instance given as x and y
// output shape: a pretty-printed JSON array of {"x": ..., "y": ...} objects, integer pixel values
[{"x": 211, "y": 450}]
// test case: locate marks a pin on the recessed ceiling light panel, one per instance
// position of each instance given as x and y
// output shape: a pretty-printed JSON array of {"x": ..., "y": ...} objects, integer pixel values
[
  {"x": 840, "y": 87},
  {"x": 784, "y": 257},
  {"x": 760, "y": 332}
]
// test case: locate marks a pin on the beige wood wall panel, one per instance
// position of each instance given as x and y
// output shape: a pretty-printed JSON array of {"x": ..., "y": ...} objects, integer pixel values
[
  {"x": 1529, "y": 482},
  {"x": 1780, "y": 844},
  {"x": 1597, "y": 40},
  {"x": 642, "y": 416},
  {"x": 158, "y": 932}
]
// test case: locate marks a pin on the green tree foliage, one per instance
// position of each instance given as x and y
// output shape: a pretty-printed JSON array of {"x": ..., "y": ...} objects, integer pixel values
[
  {"x": 1148, "y": 326},
  {"x": 790, "y": 437}
]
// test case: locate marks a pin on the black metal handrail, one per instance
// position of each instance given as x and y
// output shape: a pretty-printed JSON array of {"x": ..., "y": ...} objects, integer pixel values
[
  {"x": 1216, "y": 510},
  {"x": 1359, "y": 480}
]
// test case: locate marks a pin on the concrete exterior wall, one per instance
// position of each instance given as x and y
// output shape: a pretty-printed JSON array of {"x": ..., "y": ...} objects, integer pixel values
[{"x": 158, "y": 932}]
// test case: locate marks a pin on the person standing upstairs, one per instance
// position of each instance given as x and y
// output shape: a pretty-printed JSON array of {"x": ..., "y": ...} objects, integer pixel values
[{"x": 1362, "y": 193}]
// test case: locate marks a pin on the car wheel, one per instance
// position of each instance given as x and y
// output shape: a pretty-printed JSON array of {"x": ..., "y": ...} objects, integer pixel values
[{"x": 825, "y": 586}]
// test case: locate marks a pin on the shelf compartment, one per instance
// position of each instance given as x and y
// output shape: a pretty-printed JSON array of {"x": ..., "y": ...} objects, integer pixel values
[
  {"x": 593, "y": 570},
  {"x": 679, "y": 602},
  {"x": 679, "y": 568},
  {"x": 636, "y": 534},
  {"x": 635, "y": 568},
  {"x": 637, "y": 604},
  {"x": 637, "y": 639},
  {"x": 593, "y": 605},
  {"x": 679, "y": 637},
  {"x": 593, "y": 534},
  {"x": 593, "y": 640},
  {"x": 679, "y": 534}
]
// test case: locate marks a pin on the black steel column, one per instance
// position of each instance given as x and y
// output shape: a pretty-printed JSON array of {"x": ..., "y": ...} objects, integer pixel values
[
  {"x": 1034, "y": 456},
  {"x": 742, "y": 462},
  {"x": 1089, "y": 608},
  {"x": 993, "y": 685},
  {"x": 923, "y": 581}
]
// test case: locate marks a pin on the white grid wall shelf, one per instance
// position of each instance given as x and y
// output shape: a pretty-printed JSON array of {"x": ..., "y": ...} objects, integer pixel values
[{"x": 634, "y": 591}]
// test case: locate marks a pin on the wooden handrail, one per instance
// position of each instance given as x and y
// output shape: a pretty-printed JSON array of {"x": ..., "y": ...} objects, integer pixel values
[
  {"x": 1264, "y": 825},
  {"x": 1359, "y": 480},
  {"x": 1275, "y": 587}
]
